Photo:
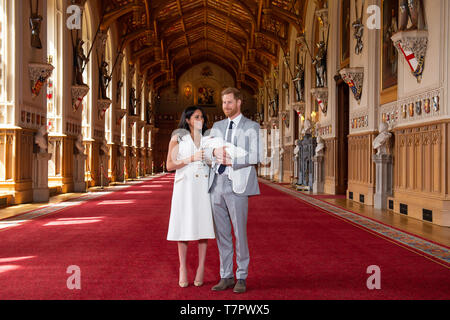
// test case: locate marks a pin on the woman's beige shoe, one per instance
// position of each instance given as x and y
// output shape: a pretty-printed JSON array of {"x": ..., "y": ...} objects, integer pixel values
[
  {"x": 182, "y": 284},
  {"x": 198, "y": 283}
]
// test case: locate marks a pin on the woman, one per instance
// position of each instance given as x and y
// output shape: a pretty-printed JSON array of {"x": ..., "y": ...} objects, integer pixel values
[{"x": 191, "y": 213}]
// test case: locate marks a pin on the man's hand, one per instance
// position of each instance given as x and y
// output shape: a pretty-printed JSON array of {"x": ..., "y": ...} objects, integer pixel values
[{"x": 222, "y": 156}]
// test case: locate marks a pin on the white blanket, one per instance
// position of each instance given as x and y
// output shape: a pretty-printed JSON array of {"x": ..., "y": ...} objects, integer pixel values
[{"x": 215, "y": 142}]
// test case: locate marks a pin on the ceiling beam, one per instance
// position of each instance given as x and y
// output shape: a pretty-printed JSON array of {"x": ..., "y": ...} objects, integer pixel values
[
  {"x": 288, "y": 17},
  {"x": 139, "y": 54},
  {"x": 115, "y": 14},
  {"x": 268, "y": 55},
  {"x": 195, "y": 28},
  {"x": 152, "y": 77},
  {"x": 162, "y": 4},
  {"x": 227, "y": 25},
  {"x": 262, "y": 68},
  {"x": 228, "y": 53},
  {"x": 147, "y": 13},
  {"x": 149, "y": 65},
  {"x": 187, "y": 14},
  {"x": 204, "y": 54},
  {"x": 180, "y": 11},
  {"x": 272, "y": 37},
  {"x": 135, "y": 35},
  {"x": 201, "y": 40},
  {"x": 244, "y": 6},
  {"x": 254, "y": 76},
  {"x": 259, "y": 18}
]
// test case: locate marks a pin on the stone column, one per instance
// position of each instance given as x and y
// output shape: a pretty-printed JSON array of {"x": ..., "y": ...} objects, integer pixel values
[
  {"x": 41, "y": 191},
  {"x": 318, "y": 184},
  {"x": 133, "y": 163},
  {"x": 384, "y": 174},
  {"x": 121, "y": 164},
  {"x": 295, "y": 173},
  {"x": 272, "y": 166},
  {"x": 280, "y": 171},
  {"x": 79, "y": 172},
  {"x": 297, "y": 152}
]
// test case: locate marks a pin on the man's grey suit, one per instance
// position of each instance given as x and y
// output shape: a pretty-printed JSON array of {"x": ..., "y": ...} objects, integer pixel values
[{"x": 229, "y": 195}]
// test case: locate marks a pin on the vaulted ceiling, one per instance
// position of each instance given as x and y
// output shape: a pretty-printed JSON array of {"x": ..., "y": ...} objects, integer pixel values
[{"x": 168, "y": 37}]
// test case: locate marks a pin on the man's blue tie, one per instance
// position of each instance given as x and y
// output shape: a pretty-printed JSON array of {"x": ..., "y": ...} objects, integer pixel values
[{"x": 223, "y": 167}]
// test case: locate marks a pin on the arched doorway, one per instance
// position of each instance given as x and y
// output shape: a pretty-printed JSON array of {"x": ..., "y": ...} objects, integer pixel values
[{"x": 343, "y": 130}]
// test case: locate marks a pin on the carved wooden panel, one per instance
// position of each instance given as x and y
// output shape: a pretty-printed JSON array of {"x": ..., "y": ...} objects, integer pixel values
[
  {"x": 361, "y": 169},
  {"x": 68, "y": 150},
  {"x": 420, "y": 160},
  {"x": 329, "y": 159},
  {"x": 288, "y": 164},
  {"x": 25, "y": 155}
]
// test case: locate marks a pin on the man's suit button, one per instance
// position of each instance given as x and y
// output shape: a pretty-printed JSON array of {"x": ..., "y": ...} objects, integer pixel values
[
  {"x": 206, "y": 176},
  {"x": 196, "y": 175}
]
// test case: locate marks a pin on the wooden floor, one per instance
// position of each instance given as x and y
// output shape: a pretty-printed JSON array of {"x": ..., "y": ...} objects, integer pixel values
[
  {"x": 15, "y": 210},
  {"x": 420, "y": 228},
  {"x": 423, "y": 229}
]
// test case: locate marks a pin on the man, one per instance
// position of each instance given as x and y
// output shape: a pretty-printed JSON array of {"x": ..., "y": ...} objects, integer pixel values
[{"x": 231, "y": 182}]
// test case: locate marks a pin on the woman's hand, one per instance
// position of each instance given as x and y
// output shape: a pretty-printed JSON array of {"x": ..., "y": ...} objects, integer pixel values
[{"x": 198, "y": 156}]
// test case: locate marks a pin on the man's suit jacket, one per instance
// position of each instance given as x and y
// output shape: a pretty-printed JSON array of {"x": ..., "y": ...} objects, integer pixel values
[{"x": 243, "y": 172}]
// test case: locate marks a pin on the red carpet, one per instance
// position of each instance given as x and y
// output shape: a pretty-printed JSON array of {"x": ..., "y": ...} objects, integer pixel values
[{"x": 118, "y": 241}]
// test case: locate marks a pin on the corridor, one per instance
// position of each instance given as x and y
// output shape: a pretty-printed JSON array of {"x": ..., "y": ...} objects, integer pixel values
[{"x": 301, "y": 248}]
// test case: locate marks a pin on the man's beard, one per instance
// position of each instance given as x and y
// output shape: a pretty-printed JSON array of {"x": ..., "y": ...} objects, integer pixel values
[{"x": 229, "y": 114}]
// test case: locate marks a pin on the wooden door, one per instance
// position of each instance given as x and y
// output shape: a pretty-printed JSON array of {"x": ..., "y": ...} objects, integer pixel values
[{"x": 343, "y": 130}]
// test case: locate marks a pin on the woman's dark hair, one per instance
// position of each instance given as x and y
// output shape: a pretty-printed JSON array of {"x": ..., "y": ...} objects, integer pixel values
[{"x": 187, "y": 114}]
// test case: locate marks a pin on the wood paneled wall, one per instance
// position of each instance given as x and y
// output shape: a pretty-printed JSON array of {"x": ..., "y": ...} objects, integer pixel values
[
  {"x": 421, "y": 171},
  {"x": 361, "y": 168},
  {"x": 24, "y": 157},
  {"x": 288, "y": 164},
  {"x": 421, "y": 154},
  {"x": 330, "y": 163},
  {"x": 16, "y": 164}
]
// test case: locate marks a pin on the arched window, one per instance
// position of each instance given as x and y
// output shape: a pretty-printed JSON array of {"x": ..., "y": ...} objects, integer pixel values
[
  {"x": 134, "y": 130},
  {"x": 123, "y": 124},
  {"x": 7, "y": 61},
  {"x": 3, "y": 39},
  {"x": 55, "y": 51},
  {"x": 7, "y": 109},
  {"x": 56, "y": 58},
  {"x": 87, "y": 74},
  {"x": 134, "y": 135},
  {"x": 143, "y": 100},
  {"x": 108, "y": 115}
]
